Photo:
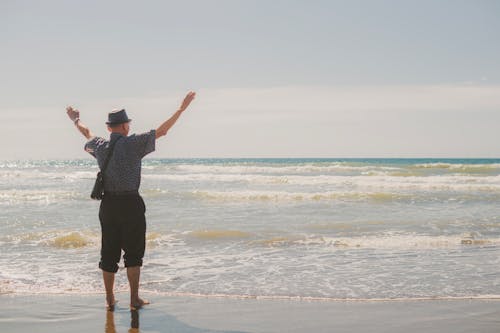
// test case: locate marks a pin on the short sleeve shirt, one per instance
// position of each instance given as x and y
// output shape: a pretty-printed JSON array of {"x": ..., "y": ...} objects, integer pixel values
[{"x": 123, "y": 173}]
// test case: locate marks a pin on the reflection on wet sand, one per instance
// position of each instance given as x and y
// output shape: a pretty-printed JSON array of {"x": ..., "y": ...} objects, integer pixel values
[
  {"x": 109, "y": 326},
  {"x": 134, "y": 321},
  {"x": 154, "y": 320}
]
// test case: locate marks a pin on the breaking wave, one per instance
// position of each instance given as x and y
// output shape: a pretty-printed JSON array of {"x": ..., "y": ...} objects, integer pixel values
[
  {"x": 486, "y": 195},
  {"x": 12, "y": 197},
  {"x": 66, "y": 239}
]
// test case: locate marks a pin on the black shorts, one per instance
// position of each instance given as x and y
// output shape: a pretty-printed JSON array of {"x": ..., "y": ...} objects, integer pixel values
[{"x": 123, "y": 227}]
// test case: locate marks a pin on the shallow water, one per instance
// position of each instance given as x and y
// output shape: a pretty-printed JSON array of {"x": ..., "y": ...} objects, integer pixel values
[{"x": 311, "y": 228}]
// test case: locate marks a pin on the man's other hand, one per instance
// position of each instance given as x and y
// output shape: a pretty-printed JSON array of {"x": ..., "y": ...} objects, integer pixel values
[
  {"x": 187, "y": 100},
  {"x": 73, "y": 114}
]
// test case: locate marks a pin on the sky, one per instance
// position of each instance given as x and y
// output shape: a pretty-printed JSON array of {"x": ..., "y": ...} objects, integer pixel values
[{"x": 273, "y": 78}]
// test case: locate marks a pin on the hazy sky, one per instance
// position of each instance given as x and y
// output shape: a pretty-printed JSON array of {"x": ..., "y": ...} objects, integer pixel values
[{"x": 274, "y": 78}]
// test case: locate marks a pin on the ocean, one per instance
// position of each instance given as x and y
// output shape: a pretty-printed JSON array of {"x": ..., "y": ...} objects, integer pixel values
[{"x": 325, "y": 229}]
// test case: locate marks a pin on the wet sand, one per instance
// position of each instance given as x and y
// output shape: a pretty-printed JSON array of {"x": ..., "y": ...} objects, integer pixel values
[{"x": 86, "y": 313}]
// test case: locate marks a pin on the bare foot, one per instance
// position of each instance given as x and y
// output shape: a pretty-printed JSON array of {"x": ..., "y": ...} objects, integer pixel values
[
  {"x": 110, "y": 302},
  {"x": 138, "y": 303}
]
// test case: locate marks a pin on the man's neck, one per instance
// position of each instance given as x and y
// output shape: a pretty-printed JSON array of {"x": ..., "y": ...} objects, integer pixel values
[{"x": 118, "y": 133}]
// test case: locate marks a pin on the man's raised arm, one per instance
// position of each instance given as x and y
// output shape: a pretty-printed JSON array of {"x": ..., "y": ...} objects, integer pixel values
[
  {"x": 163, "y": 129},
  {"x": 74, "y": 115}
]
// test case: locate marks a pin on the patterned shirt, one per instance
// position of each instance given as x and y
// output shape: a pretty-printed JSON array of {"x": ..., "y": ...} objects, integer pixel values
[{"x": 123, "y": 173}]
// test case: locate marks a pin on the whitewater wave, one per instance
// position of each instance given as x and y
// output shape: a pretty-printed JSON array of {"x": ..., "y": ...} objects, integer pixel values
[
  {"x": 262, "y": 168},
  {"x": 387, "y": 242},
  {"x": 219, "y": 234},
  {"x": 86, "y": 169},
  {"x": 8, "y": 287},
  {"x": 62, "y": 239},
  {"x": 326, "y": 168},
  {"x": 397, "y": 180},
  {"x": 13, "y": 197},
  {"x": 486, "y": 195},
  {"x": 292, "y": 196},
  {"x": 323, "y": 299},
  {"x": 459, "y": 168},
  {"x": 47, "y": 175},
  {"x": 68, "y": 239}
]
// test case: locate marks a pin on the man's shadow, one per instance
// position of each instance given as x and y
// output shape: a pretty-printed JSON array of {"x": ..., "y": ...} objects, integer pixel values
[{"x": 154, "y": 320}]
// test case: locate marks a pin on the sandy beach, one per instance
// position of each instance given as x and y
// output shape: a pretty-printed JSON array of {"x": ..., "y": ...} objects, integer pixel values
[{"x": 86, "y": 313}]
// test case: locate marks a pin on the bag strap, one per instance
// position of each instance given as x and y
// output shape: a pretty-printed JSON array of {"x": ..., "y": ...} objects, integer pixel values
[{"x": 112, "y": 148}]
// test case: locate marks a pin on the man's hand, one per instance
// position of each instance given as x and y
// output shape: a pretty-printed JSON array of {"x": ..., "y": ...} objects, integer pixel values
[
  {"x": 163, "y": 129},
  {"x": 187, "y": 100},
  {"x": 73, "y": 114}
]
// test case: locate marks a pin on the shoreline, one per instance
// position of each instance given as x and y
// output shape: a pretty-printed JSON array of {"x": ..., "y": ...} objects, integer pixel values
[
  {"x": 86, "y": 313},
  {"x": 263, "y": 297}
]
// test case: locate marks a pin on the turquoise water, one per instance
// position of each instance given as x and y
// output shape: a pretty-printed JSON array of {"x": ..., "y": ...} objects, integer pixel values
[{"x": 311, "y": 228}]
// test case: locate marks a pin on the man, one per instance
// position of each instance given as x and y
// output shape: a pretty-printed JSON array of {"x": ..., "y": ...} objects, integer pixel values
[{"x": 123, "y": 224}]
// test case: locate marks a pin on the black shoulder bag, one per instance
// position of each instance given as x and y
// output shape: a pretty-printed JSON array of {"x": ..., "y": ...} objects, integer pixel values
[{"x": 98, "y": 190}]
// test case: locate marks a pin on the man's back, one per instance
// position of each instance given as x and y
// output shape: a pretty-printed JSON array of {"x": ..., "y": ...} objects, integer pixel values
[{"x": 123, "y": 173}]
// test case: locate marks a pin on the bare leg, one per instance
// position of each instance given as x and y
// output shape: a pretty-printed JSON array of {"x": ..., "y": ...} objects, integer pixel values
[
  {"x": 109, "y": 281},
  {"x": 133, "y": 275}
]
